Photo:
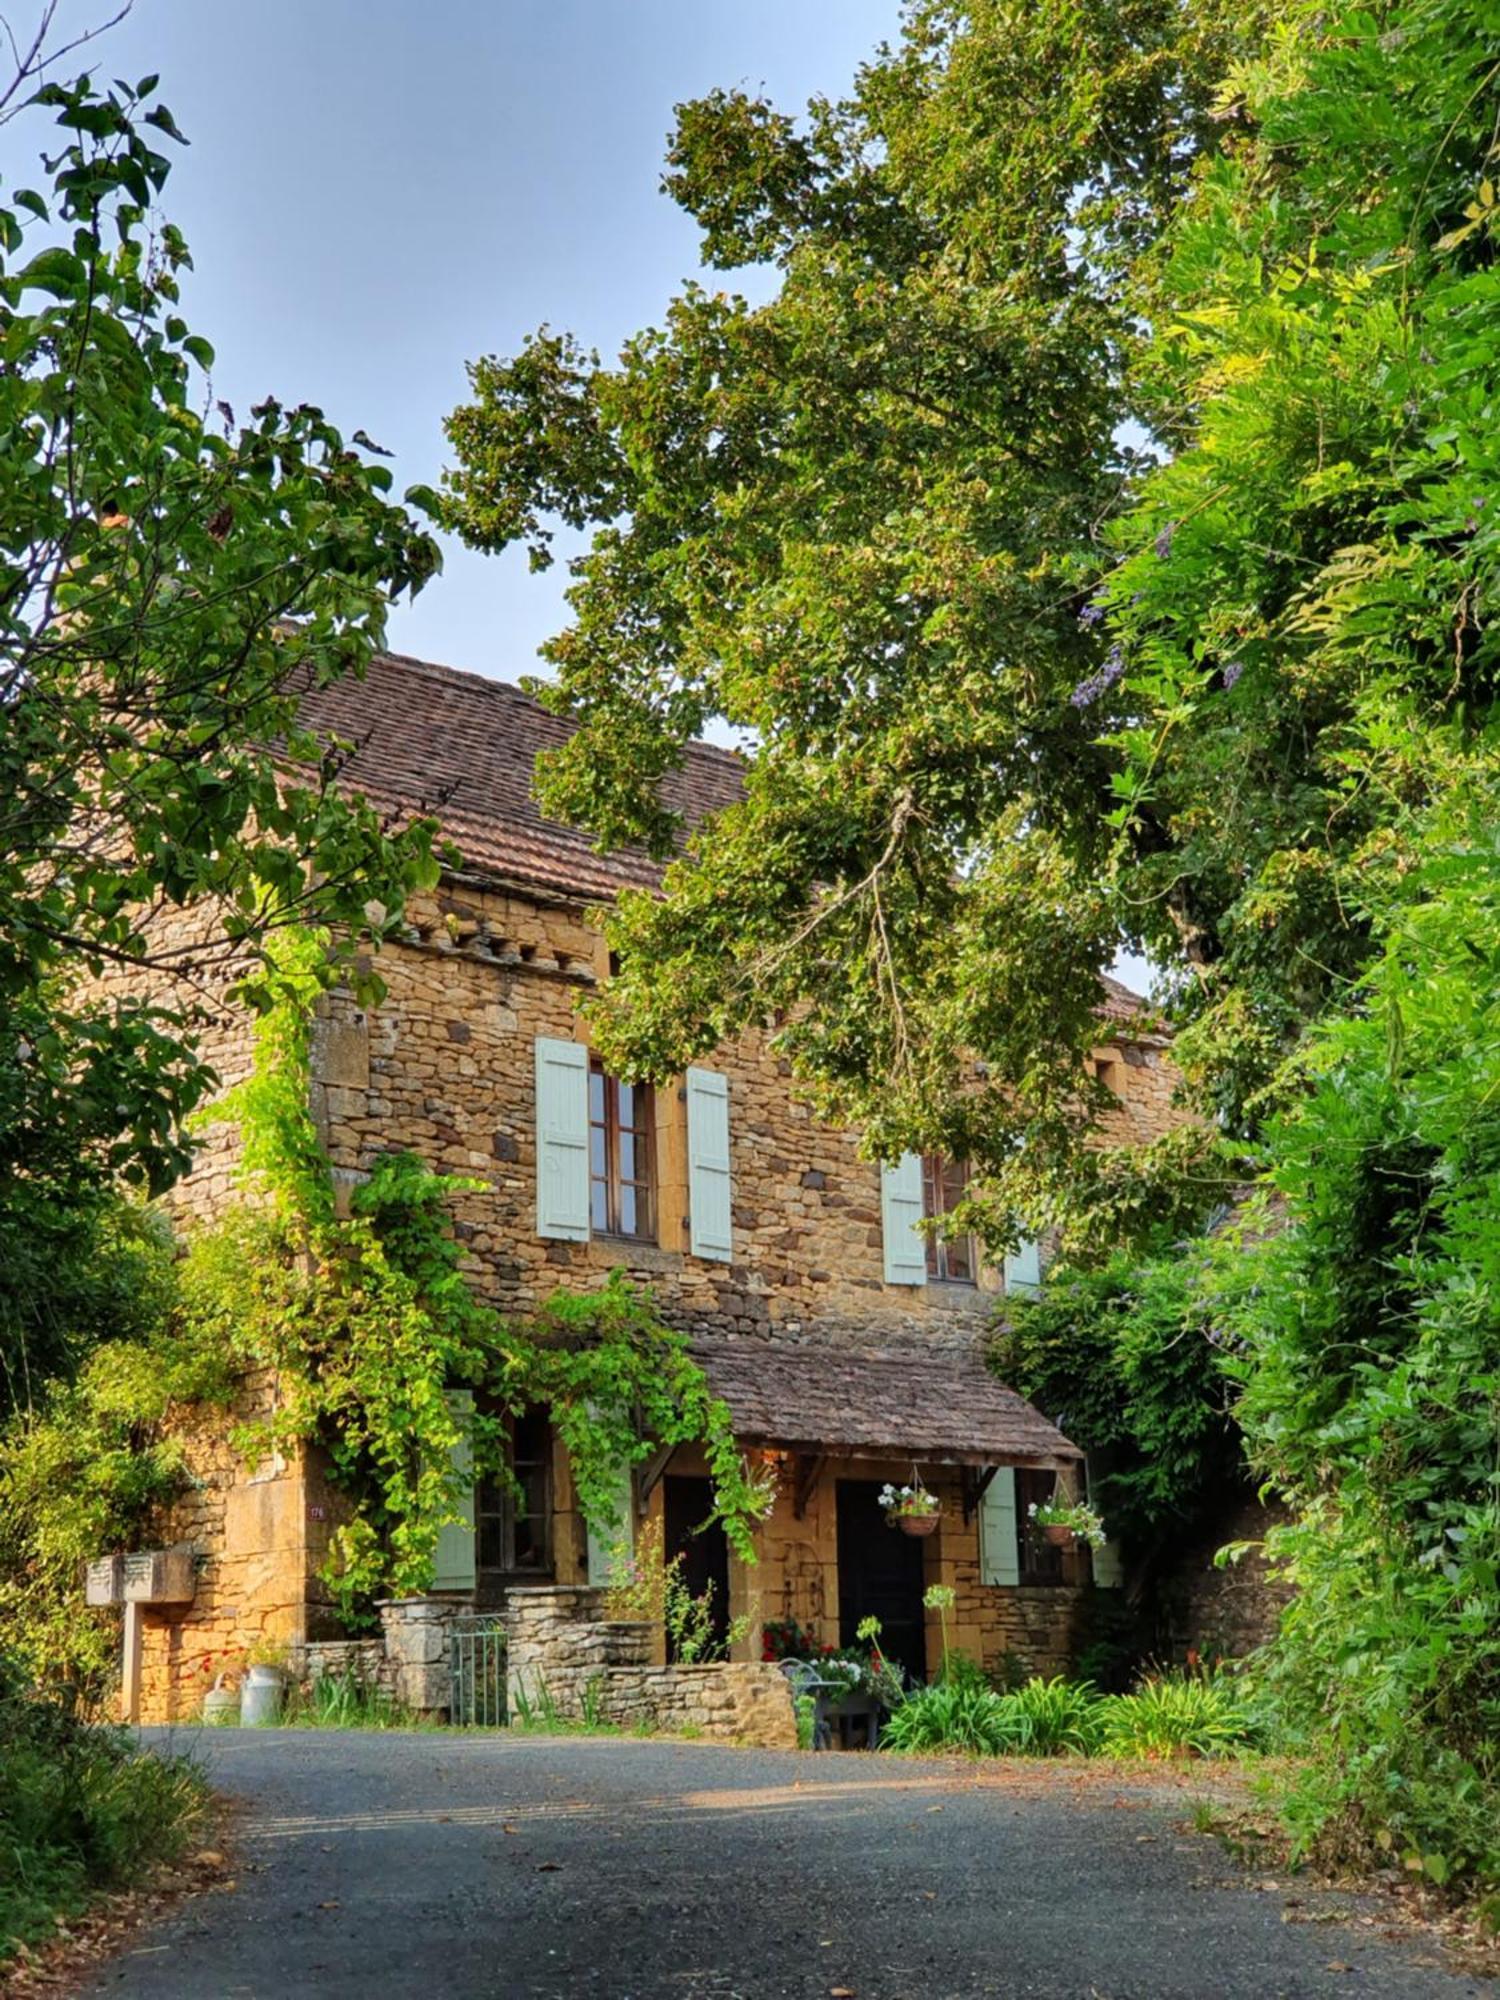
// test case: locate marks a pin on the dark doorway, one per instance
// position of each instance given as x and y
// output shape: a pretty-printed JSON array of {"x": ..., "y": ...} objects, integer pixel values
[
  {"x": 688, "y": 1503},
  {"x": 880, "y": 1576}
]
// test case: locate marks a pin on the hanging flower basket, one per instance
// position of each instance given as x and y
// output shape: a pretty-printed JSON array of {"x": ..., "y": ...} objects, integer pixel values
[
  {"x": 912, "y": 1508},
  {"x": 1064, "y": 1522}
]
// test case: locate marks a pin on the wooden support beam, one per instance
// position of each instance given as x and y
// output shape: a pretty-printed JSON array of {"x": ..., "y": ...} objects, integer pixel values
[
  {"x": 805, "y": 1478},
  {"x": 649, "y": 1478},
  {"x": 976, "y": 1480}
]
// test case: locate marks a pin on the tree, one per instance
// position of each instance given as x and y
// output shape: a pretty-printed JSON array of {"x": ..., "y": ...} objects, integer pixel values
[
  {"x": 860, "y": 523},
  {"x": 171, "y": 579}
]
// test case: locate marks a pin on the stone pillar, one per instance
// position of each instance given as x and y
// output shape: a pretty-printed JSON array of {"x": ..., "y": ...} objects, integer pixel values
[
  {"x": 418, "y": 1634},
  {"x": 557, "y": 1641}
]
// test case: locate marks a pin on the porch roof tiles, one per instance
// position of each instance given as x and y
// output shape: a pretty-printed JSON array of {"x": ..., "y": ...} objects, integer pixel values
[{"x": 942, "y": 1407}]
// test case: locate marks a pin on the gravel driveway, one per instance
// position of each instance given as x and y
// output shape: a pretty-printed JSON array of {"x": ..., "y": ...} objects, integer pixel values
[{"x": 431, "y": 1865}]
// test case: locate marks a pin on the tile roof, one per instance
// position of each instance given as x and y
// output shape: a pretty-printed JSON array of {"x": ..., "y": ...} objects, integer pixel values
[
  {"x": 920, "y": 1403},
  {"x": 431, "y": 739},
  {"x": 462, "y": 747}
]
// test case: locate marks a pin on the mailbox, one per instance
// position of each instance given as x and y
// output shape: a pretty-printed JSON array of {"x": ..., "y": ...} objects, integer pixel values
[
  {"x": 104, "y": 1580},
  {"x": 159, "y": 1576}
]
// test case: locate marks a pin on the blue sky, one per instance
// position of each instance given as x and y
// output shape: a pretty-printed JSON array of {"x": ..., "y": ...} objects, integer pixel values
[{"x": 377, "y": 191}]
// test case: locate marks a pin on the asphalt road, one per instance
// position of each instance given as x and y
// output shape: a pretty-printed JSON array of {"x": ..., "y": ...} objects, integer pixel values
[{"x": 431, "y": 1866}]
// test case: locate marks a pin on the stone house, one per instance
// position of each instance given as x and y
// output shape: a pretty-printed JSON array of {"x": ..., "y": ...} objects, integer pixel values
[{"x": 845, "y": 1341}]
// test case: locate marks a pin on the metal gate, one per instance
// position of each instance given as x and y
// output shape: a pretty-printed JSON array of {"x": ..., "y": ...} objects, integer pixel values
[{"x": 478, "y": 1656}]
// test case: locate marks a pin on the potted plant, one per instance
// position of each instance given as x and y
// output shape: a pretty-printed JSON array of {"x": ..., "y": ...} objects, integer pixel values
[
  {"x": 912, "y": 1509},
  {"x": 1064, "y": 1522}
]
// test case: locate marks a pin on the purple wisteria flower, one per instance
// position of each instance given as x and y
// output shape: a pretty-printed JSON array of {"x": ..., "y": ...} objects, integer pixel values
[
  {"x": 1164, "y": 540},
  {"x": 1093, "y": 611},
  {"x": 1089, "y": 691},
  {"x": 1232, "y": 673}
]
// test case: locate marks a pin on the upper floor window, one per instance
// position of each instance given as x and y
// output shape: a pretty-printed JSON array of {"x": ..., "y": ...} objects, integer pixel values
[
  {"x": 622, "y": 1166},
  {"x": 950, "y": 1259}
]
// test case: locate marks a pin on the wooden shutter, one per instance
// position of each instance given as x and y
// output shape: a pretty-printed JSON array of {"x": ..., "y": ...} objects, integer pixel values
[
  {"x": 454, "y": 1562},
  {"x": 562, "y": 1140},
  {"x": 607, "y": 1535},
  {"x": 901, "y": 1218},
  {"x": 710, "y": 1219},
  {"x": 1023, "y": 1268},
  {"x": 999, "y": 1542}
]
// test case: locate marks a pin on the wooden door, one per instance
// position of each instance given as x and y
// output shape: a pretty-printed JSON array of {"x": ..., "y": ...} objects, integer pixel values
[
  {"x": 880, "y": 1576},
  {"x": 687, "y": 1504}
]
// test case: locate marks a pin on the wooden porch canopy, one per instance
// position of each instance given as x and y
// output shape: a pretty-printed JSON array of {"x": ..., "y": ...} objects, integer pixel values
[{"x": 934, "y": 1406}]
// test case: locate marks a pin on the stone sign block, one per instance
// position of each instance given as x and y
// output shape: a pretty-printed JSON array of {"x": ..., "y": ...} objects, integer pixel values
[
  {"x": 159, "y": 1576},
  {"x": 104, "y": 1580}
]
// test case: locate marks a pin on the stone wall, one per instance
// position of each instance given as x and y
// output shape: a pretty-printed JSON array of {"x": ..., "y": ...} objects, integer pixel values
[
  {"x": 247, "y": 1525},
  {"x": 563, "y": 1653},
  {"x": 1227, "y": 1612},
  {"x": 445, "y": 1066}
]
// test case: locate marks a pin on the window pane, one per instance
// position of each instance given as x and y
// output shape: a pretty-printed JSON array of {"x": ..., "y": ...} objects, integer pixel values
[
  {"x": 596, "y": 1096},
  {"x": 599, "y": 1205},
  {"x": 625, "y": 1103},
  {"x": 931, "y": 1198},
  {"x": 955, "y": 1180},
  {"x": 961, "y": 1258},
  {"x": 628, "y": 1143},
  {"x": 628, "y": 1211}
]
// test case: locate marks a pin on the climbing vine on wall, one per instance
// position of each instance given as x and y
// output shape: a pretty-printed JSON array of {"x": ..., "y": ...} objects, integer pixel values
[{"x": 371, "y": 1321}]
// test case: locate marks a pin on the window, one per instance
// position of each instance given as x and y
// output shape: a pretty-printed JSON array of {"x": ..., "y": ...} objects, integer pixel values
[
  {"x": 514, "y": 1531},
  {"x": 621, "y": 1165},
  {"x": 949, "y": 1258},
  {"x": 1041, "y": 1560}
]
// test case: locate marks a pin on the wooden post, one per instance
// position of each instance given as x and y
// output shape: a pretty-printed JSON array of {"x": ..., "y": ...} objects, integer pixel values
[{"x": 131, "y": 1692}]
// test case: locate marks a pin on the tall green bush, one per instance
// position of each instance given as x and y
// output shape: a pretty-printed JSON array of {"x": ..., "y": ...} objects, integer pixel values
[{"x": 1365, "y": 1320}]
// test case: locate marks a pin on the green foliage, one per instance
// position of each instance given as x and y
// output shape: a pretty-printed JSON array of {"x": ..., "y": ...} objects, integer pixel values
[
  {"x": 1194, "y": 1715},
  {"x": 1165, "y": 1716},
  {"x": 1054, "y": 1718},
  {"x": 81, "y": 1811},
  {"x": 86, "y": 1471},
  {"x": 1123, "y": 1356},
  {"x": 344, "y": 1701},
  {"x": 170, "y": 578},
  {"x": 858, "y": 522},
  {"x": 957, "y": 1715},
  {"x": 1367, "y": 1342}
]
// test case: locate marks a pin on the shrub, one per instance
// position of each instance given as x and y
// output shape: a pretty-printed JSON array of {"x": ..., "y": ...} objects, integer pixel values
[
  {"x": 1176, "y": 1716},
  {"x": 1055, "y": 1718},
  {"x": 953, "y": 1715},
  {"x": 80, "y": 1811}
]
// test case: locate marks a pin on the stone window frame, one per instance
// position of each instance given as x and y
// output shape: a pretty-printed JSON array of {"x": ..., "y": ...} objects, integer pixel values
[
  {"x": 951, "y": 1260},
  {"x": 609, "y": 1185}
]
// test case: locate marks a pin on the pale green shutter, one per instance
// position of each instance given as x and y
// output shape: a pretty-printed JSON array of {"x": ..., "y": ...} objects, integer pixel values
[
  {"x": 1109, "y": 1571},
  {"x": 999, "y": 1543},
  {"x": 1023, "y": 1268},
  {"x": 562, "y": 1140},
  {"x": 901, "y": 1219},
  {"x": 606, "y": 1536},
  {"x": 454, "y": 1562},
  {"x": 710, "y": 1217}
]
